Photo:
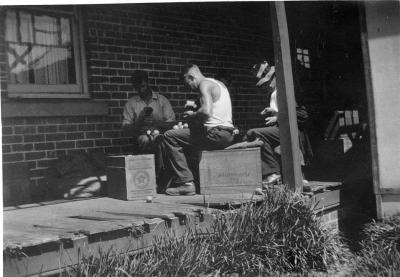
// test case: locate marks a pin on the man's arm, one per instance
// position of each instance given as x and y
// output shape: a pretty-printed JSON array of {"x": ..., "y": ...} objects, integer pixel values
[
  {"x": 168, "y": 115},
  {"x": 204, "y": 112},
  {"x": 168, "y": 112},
  {"x": 128, "y": 117}
]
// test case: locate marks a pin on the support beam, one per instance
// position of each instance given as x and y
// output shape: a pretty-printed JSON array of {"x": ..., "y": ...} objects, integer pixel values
[{"x": 290, "y": 151}]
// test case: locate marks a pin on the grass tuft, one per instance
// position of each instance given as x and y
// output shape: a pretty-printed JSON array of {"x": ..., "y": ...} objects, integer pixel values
[
  {"x": 281, "y": 235},
  {"x": 380, "y": 250}
]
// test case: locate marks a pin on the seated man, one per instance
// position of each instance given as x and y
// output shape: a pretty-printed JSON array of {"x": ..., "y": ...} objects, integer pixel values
[
  {"x": 210, "y": 128},
  {"x": 269, "y": 135},
  {"x": 146, "y": 114}
]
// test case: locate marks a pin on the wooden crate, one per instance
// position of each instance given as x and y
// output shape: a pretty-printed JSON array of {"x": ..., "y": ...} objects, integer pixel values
[
  {"x": 230, "y": 171},
  {"x": 131, "y": 177}
]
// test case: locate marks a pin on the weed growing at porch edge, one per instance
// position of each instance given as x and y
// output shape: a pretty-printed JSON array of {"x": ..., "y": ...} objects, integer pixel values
[
  {"x": 380, "y": 252},
  {"x": 281, "y": 235}
]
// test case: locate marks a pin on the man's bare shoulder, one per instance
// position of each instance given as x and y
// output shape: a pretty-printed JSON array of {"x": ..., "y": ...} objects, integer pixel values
[{"x": 207, "y": 85}]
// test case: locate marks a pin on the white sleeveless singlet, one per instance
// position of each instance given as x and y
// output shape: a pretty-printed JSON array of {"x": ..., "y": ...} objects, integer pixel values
[{"x": 221, "y": 112}]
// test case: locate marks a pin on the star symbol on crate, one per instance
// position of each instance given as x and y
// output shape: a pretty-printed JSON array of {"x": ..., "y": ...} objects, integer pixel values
[{"x": 141, "y": 179}]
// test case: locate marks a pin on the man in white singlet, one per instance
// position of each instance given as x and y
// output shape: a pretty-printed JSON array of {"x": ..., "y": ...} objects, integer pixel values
[{"x": 210, "y": 128}]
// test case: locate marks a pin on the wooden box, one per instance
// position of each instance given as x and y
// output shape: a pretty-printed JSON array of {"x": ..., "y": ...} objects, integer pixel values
[
  {"x": 131, "y": 177},
  {"x": 230, "y": 171}
]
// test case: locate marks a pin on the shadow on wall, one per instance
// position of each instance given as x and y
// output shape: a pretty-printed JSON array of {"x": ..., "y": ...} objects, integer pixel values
[{"x": 78, "y": 175}]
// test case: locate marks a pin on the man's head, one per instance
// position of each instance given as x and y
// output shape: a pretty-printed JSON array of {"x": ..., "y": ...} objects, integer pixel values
[
  {"x": 140, "y": 81},
  {"x": 192, "y": 76}
]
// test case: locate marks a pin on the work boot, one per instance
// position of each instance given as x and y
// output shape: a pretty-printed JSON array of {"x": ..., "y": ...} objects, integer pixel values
[
  {"x": 272, "y": 180},
  {"x": 184, "y": 189}
]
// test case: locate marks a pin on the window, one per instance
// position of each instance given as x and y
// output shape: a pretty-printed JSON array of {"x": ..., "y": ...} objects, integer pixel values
[
  {"x": 303, "y": 57},
  {"x": 45, "y": 54}
]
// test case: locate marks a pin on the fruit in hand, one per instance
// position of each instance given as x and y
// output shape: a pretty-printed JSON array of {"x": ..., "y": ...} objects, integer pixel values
[
  {"x": 155, "y": 133},
  {"x": 175, "y": 127},
  {"x": 185, "y": 125}
]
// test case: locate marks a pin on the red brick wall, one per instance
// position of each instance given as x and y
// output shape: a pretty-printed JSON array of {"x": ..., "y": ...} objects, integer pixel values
[{"x": 158, "y": 38}]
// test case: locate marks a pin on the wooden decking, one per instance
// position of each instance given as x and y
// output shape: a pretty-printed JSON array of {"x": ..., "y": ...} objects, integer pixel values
[{"x": 43, "y": 237}]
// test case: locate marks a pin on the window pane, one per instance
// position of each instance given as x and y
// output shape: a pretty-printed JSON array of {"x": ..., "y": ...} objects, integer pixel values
[
  {"x": 11, "y": 23},
  {"x": 40, "y": 49},
  {"x": 25, "y": 27}
]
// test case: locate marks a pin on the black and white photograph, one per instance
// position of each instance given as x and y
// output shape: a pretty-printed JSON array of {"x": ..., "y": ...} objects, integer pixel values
[{"x": 200, "y": 138}]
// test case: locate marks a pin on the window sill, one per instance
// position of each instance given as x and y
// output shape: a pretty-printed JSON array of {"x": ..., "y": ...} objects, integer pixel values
[{"x": 51, "y": 108}]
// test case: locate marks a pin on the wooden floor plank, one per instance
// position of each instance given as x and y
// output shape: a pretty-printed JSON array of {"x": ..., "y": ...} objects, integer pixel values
[
  {"x": 41, "y": 234},
  {"x": 45, "y": 223}
]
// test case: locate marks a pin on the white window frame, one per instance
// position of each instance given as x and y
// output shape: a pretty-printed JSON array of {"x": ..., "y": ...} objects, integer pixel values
[{"x": 78, "y": 90}]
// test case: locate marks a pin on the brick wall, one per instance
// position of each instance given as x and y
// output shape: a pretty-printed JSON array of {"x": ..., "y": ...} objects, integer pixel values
[
  {"x": 330, "y": 218},
  {"x": 161, "y": 39}
]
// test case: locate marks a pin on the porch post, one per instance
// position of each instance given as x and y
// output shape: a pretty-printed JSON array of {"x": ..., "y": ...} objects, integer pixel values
[{"x": 288, "y": 132}]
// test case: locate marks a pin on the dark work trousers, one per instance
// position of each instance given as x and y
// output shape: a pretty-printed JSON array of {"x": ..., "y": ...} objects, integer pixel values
[
  {"x": 151, "y": 145},
  {"x": 270, "y": 136},
  {"x": 176, "y": 141},
  {"x": 145, "y": 144}
]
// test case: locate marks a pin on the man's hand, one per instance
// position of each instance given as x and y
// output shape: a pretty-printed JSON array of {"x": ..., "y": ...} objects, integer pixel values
[
  {"x": 268, "y": 111},
  {"x": 188, "y": 114},
  {"x": 272, "y": 120}
]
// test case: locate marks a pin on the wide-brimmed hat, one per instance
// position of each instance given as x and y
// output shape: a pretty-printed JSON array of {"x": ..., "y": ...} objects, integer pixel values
[{"x": 263, "y": 72}]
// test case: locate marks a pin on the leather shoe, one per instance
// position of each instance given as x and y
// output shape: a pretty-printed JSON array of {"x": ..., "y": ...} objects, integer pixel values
[
  {"x": 184, "y": 189},
  {"x": 273, "y": 179}
]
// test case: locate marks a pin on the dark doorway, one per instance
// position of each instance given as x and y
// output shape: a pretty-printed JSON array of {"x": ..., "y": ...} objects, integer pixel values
[{"x": 328, "y": 67}]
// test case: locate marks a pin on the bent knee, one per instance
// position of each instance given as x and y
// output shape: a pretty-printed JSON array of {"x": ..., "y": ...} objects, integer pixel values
[
  {"x": 170, "y": 134},
  {"x": 252, "y": 134},
  {"x": 143, "y": 139},
  {"x": 167, "y": 134}
]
